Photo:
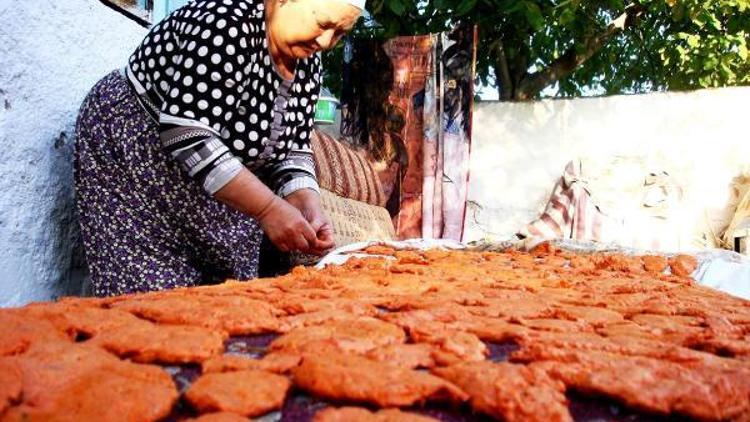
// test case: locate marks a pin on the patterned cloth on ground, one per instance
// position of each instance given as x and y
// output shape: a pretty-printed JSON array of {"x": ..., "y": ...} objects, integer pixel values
[
  {"x": 570, "y": 212},
  {"x": 355, "y": 221}
]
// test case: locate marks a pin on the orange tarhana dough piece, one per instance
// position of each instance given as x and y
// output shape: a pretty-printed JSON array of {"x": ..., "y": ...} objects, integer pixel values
[
  {"x": 219, "y": 417},
  {"x": 451, "y": 345},
  {"x": 18, "y": 331},
  {"x": 683, "y": 265},
  {"x": 77, "y": 382},
  {"x": 237, "y": 315},
  {"x": 359, "y": 414},
  {"x": 380, "y": 250},
  {"x": 725, "y": 395},
  {"x": 655, "y": 264},
  {"x": 147, "y": 343},
  {"x": 247, "y": 393},
  {"x": 621, "y": 263},
  {"x": 128, "y": 336},
  {"x": 340, "y": 376},
  {"x": 11, "y": 384},
  {"x": 277, "y": 362},
  {"x": 354, "y": 334},
  {"x": 542, "y": 249},
  {"x": 409, "y": 356},
  {"x": 494, "y": 389}
]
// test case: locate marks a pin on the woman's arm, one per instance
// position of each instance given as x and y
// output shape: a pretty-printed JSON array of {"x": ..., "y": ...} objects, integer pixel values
[
  {"x": 294, "y": 178},
  {"x": 283, "y": 223}
]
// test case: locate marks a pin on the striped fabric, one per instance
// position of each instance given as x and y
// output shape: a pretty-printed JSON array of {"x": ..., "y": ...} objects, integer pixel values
[
  {"x": 570, "y": 213},
  {"x": 296, "y": 172},
  {"x": 344, "y": 171},
  {"x": 741, "y": 219}
]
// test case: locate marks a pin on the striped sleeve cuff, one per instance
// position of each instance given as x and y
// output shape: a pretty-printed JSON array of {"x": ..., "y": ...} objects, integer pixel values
[
  {"x": 205, "y": 158},
  {"x": 298, "y": 182},
  {"x": 296, "y": 161},
  {"x": 296, "y": 172},
  {"x": 221, "y": 174}
]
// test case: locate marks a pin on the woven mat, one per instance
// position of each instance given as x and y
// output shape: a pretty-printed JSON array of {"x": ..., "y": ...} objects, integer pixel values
[
  {"x": 355, "y": 221},
  {"x": 352, "y": 221}
]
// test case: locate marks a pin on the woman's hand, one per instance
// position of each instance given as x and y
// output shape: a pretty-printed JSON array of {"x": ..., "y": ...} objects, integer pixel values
[
  {"x": 283, "y": 223},
  {"x": 308, "y": 203},
  {"x": 287, "y": 228}
]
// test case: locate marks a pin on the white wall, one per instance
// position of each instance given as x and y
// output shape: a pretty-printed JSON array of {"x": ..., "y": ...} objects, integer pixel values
[
  {"x": 519, "y": 151},
  {"x": 51, "y": 54}
]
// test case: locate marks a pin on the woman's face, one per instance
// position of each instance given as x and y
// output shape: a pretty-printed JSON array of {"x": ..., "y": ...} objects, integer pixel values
[{"x": 303, "y": 27}]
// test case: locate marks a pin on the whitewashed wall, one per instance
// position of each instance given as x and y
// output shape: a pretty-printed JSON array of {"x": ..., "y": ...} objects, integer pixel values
[
  {"x": 51, "y": 54},
  {"x": 700, "y": 138}
]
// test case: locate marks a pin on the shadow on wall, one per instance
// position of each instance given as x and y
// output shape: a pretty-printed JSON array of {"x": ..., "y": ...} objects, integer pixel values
[
  {"x": 65, "y": 234},
  {"x": 516, "y": 159}
]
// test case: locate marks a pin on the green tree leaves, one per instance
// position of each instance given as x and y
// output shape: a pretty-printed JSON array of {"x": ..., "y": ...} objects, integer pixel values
[
  {"x": 398, "y": 7},
  {"x": 581, "y": 47}
]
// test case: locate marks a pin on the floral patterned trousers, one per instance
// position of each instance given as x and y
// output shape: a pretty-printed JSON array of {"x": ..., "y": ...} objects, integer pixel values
[{"x": 146, "y": 224}]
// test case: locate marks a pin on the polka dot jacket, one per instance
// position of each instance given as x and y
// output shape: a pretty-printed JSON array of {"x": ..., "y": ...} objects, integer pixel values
[{"x": 206, "y": 76}]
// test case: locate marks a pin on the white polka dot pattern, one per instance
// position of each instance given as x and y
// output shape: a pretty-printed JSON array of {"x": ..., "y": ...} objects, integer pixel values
[{"x": 207, "y": 67}]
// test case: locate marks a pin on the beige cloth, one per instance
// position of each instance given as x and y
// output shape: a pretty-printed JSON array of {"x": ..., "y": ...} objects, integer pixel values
[{"x": 740, "y": 220}]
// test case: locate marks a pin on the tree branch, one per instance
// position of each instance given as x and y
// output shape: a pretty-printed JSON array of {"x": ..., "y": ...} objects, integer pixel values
[
  {"x": 575, "y": 56},
  {"x": 502, "y": 73}
]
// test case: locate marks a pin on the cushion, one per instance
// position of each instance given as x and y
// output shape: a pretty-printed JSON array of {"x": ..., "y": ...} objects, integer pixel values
[{"x": 345, "y": 171}]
